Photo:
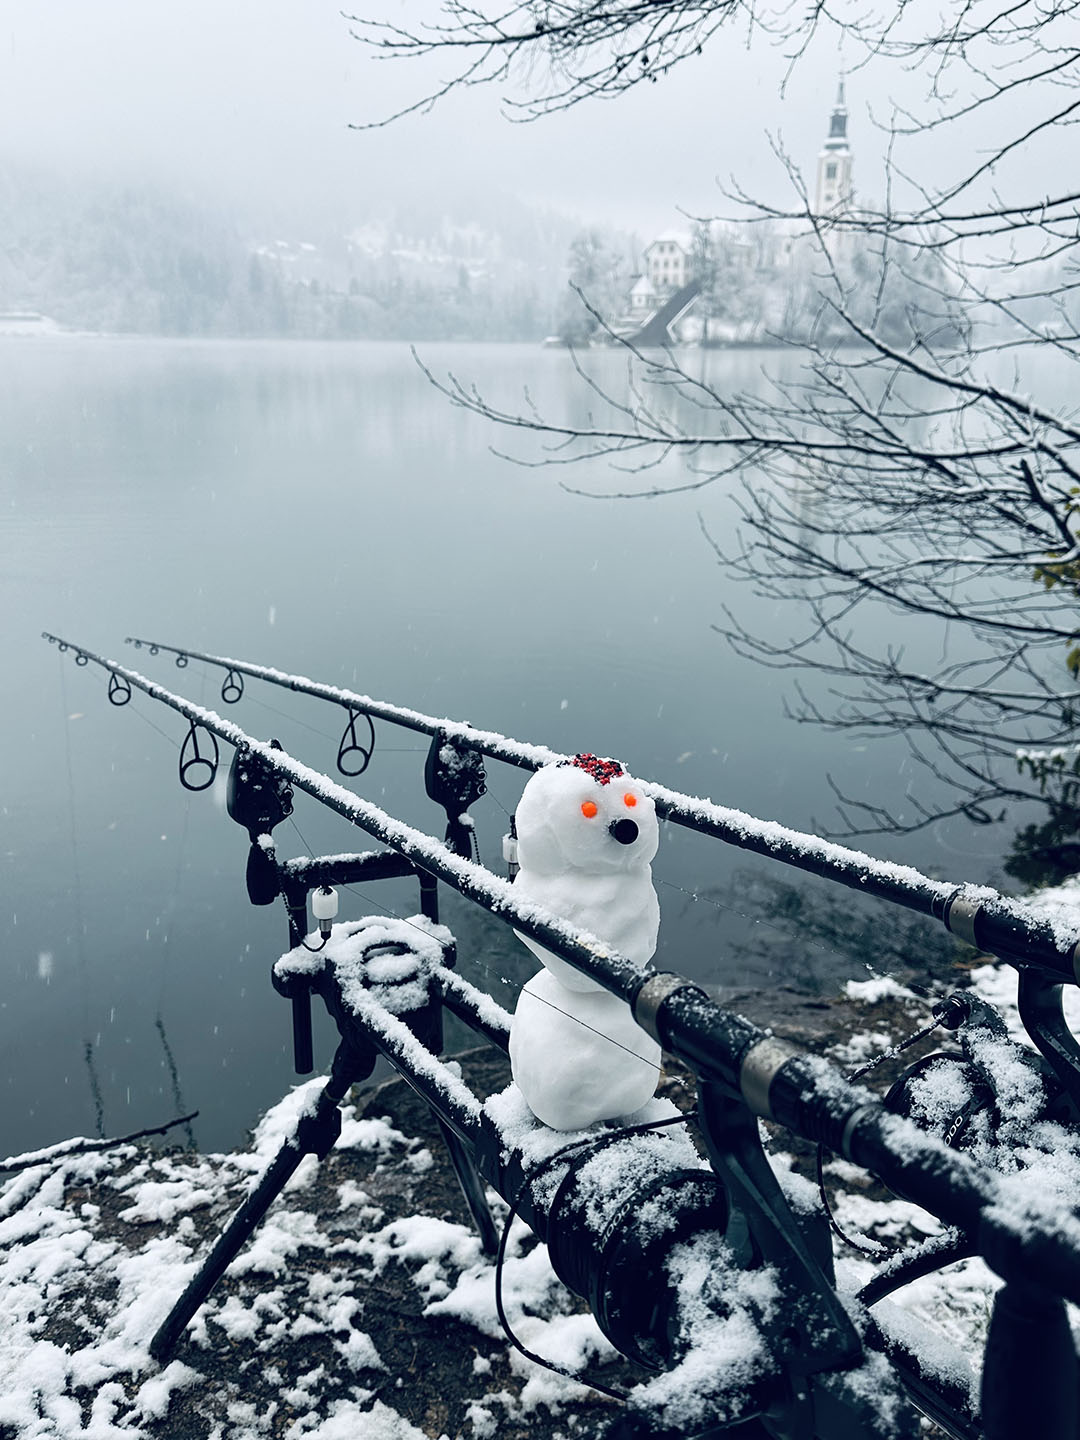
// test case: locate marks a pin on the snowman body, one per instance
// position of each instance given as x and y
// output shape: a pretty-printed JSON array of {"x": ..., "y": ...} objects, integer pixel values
[
  {"x": 586, "y": 838},
  {"x": 621, "y": 909},
  {"x": 579, "y": 1056}
]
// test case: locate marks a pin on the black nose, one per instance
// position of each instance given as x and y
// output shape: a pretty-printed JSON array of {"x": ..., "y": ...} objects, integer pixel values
[{"x": 625, "y": 831}]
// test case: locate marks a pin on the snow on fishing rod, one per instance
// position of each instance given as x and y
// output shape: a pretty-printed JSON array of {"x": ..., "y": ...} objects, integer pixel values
[
  {"x": 584, "y": 951},
  {"x": 1022, "y": 1237},
  {"x": 976, "y": 914}
]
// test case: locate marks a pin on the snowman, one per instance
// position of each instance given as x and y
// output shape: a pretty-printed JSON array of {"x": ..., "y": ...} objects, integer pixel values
[{"x": 586, "y": 835}]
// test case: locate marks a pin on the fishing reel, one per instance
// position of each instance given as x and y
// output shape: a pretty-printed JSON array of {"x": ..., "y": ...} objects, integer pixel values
[
  {"x": 967, "y": 1099},
  {"x": 660, "y": 1245},
  {"x": 614, "y": 1253}
]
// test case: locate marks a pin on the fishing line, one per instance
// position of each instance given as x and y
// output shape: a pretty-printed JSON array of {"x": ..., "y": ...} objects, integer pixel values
[
  {"x": 494, "y": 975},
  {"x": 508, "y": 813},
  {"x": 325, "y": 734},
  {"x": 307, "y": 848},
  {"x": 159, "y": 1023},
  {"x": 146, "y": 718},
  {"x": 311, "y": 949},
  {"x": 585, "y": 1026},
  {"x": 171, "y": 915},
  {"x": 698, "y": 898},
  {"x": 292, "y": 719},
  {"x": 80, "y": 939}
]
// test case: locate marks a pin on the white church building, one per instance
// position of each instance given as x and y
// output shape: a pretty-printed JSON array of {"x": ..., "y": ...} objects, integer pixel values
[{"x": 833, "y": 192}]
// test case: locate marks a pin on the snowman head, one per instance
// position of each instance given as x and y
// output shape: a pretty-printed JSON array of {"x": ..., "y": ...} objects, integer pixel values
[{"x": 586, "y": 814}]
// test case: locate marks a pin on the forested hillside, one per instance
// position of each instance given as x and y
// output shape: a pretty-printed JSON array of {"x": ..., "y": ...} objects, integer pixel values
[{"x": 113, "y": 258}]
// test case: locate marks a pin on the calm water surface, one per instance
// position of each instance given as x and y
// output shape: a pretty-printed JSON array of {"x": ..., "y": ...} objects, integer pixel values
[{"x": 324, "y": 510}]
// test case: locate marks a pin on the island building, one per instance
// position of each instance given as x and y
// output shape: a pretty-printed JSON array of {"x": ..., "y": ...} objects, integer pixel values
[
  {"x": 668, "y": 266},
  {"x": 669, "y": 260}
]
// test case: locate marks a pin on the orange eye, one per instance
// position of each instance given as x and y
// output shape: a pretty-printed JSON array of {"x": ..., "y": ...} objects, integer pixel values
[
  {"x": 589, "y": 810},
  {"x": 629, "y": 799}
]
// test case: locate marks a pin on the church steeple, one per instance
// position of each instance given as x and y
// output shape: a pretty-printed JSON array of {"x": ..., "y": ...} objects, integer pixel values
[
  {"x": 838, "y": 123},
  {"x": 834, "y": 191}
]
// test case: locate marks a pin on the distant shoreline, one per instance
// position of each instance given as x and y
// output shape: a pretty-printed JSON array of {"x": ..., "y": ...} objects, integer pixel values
[{"x": 338, "y": 342}]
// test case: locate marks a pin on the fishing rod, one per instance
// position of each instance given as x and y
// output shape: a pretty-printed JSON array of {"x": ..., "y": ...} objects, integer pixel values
[
  {"x": 1033, "y": 1242},
  {"x": 1045, "y": 957},
  {"x": 976, "y": 914},
  {"x": 582, "y": 950},
  {"x": 676, "y": 1012}
]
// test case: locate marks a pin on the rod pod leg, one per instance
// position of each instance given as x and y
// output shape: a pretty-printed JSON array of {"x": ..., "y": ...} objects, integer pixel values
[
  {"x": 1029, "y": 1384},
  {"x": 316, "y": 1133},
  {"x": 472, "y": 1187}
]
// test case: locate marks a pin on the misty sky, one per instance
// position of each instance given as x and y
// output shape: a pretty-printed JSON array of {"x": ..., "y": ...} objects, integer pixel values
[{"x": 251, "y": 100}]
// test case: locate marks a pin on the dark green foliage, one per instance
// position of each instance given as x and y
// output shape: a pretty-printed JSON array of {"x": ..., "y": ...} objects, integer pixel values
[{"x": 1046, "y": 853}]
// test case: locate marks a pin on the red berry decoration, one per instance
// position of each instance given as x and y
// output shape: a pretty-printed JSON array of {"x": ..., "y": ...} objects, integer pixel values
[{"x": 602, "y": 771}]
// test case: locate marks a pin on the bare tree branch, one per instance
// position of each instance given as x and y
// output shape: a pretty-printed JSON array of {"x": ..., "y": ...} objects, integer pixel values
[{"x": 919, "y": 471}]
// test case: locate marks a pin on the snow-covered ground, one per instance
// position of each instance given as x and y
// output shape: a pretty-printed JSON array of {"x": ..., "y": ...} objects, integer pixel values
[{"x": 363, "y": 1306}]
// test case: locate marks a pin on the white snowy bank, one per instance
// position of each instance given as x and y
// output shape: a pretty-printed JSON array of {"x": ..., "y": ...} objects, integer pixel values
[{"x": 363, "y": 1305}]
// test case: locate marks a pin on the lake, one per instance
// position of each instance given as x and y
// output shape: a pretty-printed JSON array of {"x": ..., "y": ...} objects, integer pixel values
[{"x": 323, "y": 509}]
